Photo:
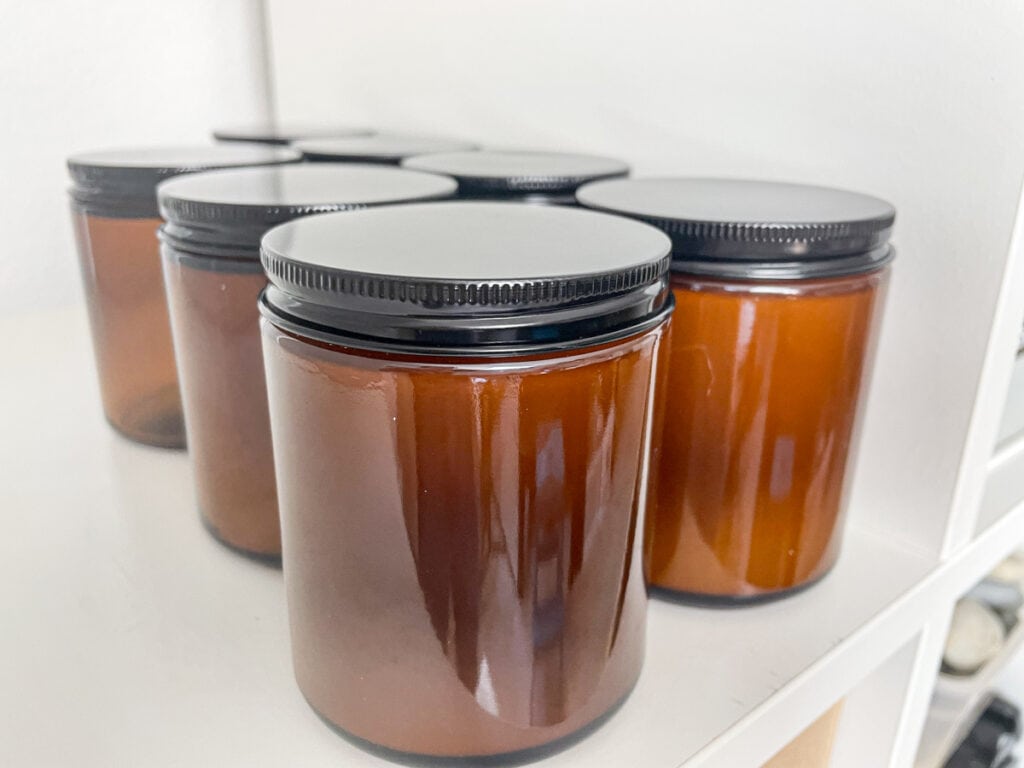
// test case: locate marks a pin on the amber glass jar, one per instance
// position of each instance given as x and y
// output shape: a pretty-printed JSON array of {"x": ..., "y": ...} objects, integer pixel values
[
  {"x": 460, "y": 397},
  {"x": 115, "y": 217},
  {"x": 516, "y": 176},
  {"x": 778, "y": 290},
  {"x": 385, "y": 148},
  {"x": 287, "y": 132},
  {"x": 213, "y": 277}
]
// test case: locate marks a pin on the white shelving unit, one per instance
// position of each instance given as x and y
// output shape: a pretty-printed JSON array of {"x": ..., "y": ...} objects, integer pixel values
[{"x": 134, "y": 639}]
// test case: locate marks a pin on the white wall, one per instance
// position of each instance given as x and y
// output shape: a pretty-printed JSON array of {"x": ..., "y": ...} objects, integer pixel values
[
  {"x": 918, "y": 101},
  {"x": 86, "y": 75}
]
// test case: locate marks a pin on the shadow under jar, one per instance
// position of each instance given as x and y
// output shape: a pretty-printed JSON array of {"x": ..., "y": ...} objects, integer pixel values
[
  {"x": 549, "y": 178},
  {"x": 460, "y": 397},
  {"x": 115, "y": 217},
  {"x": 384, "y": 148},
  {"x": 214, "y": 277},
  {"x": 778, "y": 289},
  {"x": 287, "y": 132}
]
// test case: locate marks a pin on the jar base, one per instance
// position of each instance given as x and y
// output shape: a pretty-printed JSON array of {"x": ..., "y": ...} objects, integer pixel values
[
  {"x": 155, "y": 420},
  {"x": 517, "y": 757},
  {"x": 701, "y": 600},
  {"x": 154, "y": 439},
  {"x": 269, "y": 559}
]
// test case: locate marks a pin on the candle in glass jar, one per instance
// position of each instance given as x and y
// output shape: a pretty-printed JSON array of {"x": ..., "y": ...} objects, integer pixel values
[
  {"x": 778, "y": 290},
  {"x": 214, "y": 278},
  {"x": 115, "y": 214},
  {"x": 460, "y": 399}
]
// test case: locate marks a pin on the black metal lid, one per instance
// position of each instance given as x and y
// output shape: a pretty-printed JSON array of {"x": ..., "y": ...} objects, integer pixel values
[
  {"x": 466, "y": 278},
  {"x": 506, "y": 173},
  {"x": 287, "y": 132},
  {"x": 380, "y": 148},
  {"x": 225, "y": 213},
  {"x": 122, "y": 182},
  {"x": 755, "y": 229}
]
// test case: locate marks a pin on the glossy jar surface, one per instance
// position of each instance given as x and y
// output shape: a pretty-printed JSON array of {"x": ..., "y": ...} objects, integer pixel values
[
  {"x": 214, "y": 278},
  {"x": 758, "y": 396},
  {"x": 124, "y": 293},
  {"x": 215, "y": 317},
  {"x": 778, "y": 290},
  {"x": 463, "y": 568},
  {"x": 461, "y": 399},
  {"x": 115, "y": 218}
]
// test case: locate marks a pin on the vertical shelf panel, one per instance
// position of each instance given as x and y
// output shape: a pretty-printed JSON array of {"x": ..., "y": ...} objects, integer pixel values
[{"x": 873, "y": 711}]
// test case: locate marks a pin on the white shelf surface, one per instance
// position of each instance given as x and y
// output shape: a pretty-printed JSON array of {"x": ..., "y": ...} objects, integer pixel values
[{"x": 134, "y": 639}]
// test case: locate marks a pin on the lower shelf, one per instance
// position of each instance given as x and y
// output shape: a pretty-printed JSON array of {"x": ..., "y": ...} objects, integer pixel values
[{"x": 958, "y": 701}]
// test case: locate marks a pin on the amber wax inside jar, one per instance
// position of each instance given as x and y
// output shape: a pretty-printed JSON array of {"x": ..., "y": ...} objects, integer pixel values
[
  {"x": 461, "y": 400},
  {"x": 549, "y": 178},
  {"x": 211, "y": 264},
  {"x": 778, "y": 289},
  {"x": 115, "y": 217}
]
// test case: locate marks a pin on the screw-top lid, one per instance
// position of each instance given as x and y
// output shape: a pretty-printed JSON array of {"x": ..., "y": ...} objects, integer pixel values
[
  {"x": 493, "y": 173},
  {"x": 380, "y": 148},
  {"x": 755, "y": 229},
  {"x": 466, "y": 278},
  {"x": 122, "y": 182},
  {"x": 287, "y": 132},
  {"x": 225, "y": 213}
]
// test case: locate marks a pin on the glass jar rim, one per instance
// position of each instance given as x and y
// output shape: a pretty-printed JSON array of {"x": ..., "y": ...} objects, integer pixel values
[{"x": 458, "y": 275}]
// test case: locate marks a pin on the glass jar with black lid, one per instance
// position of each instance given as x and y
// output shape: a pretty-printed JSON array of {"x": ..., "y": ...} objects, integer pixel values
[
  {"x": 213, "y": 277},
  {"x": 779, "y": 289},
  {"x": 115, "y": 216},
  {"x": 286, "y": 132},
  {"x": 460, "y": 398},
  {"x": 385, "y": 148},
  {"x": 520, "y": 176}
]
